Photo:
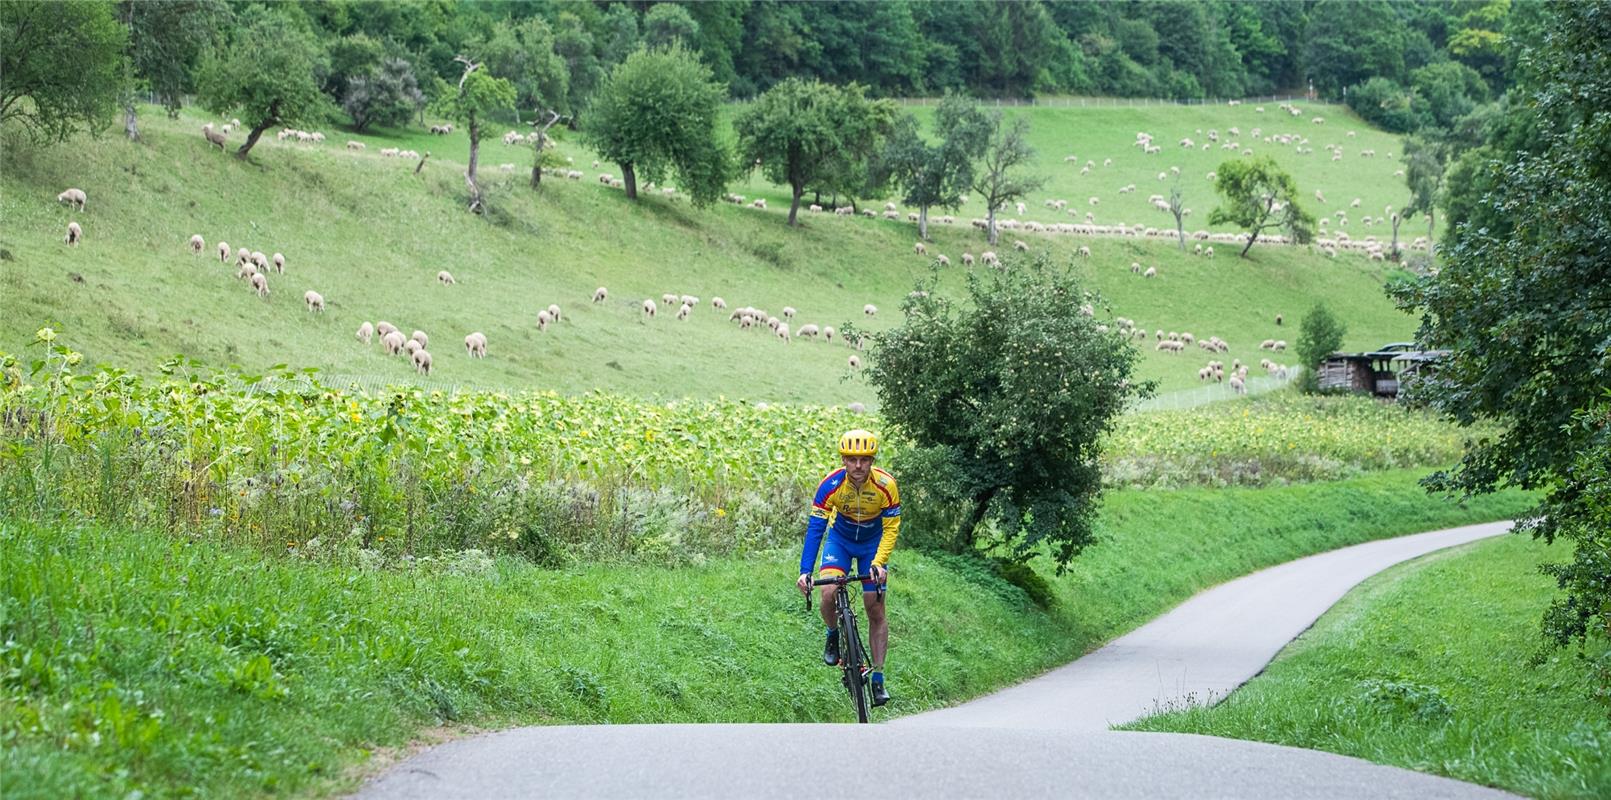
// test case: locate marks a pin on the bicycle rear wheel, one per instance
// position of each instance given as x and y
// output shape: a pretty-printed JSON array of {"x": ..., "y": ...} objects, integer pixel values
[{"x": 853, "y": 656}]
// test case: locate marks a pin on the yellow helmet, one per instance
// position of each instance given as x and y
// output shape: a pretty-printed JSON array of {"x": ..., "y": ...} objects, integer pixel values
[{"x": 858, "y": 443}]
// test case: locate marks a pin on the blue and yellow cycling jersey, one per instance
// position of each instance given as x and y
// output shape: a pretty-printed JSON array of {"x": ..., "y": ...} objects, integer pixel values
[{"x": 858, "y": 516}]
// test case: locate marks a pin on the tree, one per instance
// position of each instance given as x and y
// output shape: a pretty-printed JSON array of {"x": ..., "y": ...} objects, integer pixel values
[
  {"x": 1385, "y": 104},
  {"x": 386, "y": 96},
  {"x": 797, "y": 132},
  {"x": 1177, "y": 207},
  {"x": 524, "y": 55},
  {"x": 266, "y": 75},
  {"x": 541, "y": 156},
  {"x": 1423, "y": 172},
  {"x": 1259, "y": 196},
  {"x": 1000, "y": 177},
  {"x": 1448, "y": 90},
  {"x": 477, "y": 95},
  {"x": 574, "y": 44},
  {"x": 669, "y": 24},
  {"x": 657, "y": 113},
  {"x": 61, "y": 66},
  {"x": 937, "y": 174},
  {"x": 1319, "y": 335},
  {"x": 1523, "y": 303},
  {"x": 166, "y": 39},
  {"x": 1004, "y": 399}
]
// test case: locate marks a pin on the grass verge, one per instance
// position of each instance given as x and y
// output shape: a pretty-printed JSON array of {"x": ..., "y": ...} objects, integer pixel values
[
  {"x": 168, "y": 665},
  {"x": 1425, "y": 666}
]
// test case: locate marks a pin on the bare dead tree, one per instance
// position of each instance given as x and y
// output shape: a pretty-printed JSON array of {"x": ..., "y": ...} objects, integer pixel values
[
  {"x": 539, "y": 141},
  {"x": 1177, "y": 207},
  {"x": 473, "y": 122}
]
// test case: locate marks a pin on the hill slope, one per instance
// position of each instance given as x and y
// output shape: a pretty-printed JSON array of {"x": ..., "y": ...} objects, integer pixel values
[{"x": 370, "y": 236}]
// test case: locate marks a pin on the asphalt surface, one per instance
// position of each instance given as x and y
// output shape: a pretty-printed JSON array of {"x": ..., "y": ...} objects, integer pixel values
[{"x": 1043, "y": 738}]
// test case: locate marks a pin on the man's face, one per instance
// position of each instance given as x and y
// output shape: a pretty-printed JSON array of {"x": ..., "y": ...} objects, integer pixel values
[{"x": 857, "y": 467}]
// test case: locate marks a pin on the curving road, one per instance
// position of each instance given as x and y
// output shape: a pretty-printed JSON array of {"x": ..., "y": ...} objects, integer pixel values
[{"x": 1047, "y": 737}]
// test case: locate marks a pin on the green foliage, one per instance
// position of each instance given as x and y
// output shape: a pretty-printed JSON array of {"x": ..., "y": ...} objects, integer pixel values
[
  {"x": 388, "y": 95},
  {"x": 1384, "y": 103},
  {"x": 936, "y": 175},
  {"x": 657, "y": 114},
  {"x": 1319, "y": 335},
  {"x": 266, "y": 75},
  {"x": 63, "y": 66},
  {"x": 1425, "y": 667},
  {"x": 1004, "y": 399},
  {"x": 524, "y": 55},
  {"x": 668, "y": 24},
  {"x": 167, "y": 40},
  {"x": 1448, "y": 90},
  {"x": 1260, "y": 196},
  {"x": 809, "y": 133},
  {"x": 1524, "y": 304}
]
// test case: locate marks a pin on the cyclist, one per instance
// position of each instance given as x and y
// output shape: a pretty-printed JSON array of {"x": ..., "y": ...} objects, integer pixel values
[{"x": 859, "y": 508}]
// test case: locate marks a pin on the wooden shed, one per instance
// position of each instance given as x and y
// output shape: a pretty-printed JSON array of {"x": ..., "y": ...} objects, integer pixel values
[{"x": 1377, "y": 372}]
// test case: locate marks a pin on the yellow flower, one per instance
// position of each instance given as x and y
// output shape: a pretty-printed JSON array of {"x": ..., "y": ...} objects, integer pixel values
[
  {"x": 721, "y": 512},
  {"x": 45, "y": 335},
  {"x": 73, "y": 359}
]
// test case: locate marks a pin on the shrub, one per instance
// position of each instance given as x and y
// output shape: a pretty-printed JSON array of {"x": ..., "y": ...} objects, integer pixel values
[{"x": 1320, "y": 334}]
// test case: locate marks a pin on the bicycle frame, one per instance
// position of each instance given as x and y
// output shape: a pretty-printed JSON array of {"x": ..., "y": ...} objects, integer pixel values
[{"x": 853, "y": 664}]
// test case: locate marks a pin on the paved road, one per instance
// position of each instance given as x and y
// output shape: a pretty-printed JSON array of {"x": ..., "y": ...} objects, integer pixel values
[{"x": 1044, "y": 738}]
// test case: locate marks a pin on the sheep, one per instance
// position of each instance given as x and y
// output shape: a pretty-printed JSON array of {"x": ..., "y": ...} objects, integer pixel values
[
  {"x": 1278, "y": 320},
  {"x": 422, "y": 361},
  {"x": 352, "y": 145},
  {"x": 213, "y": 137},
  {"x": 684, "y": 311},
  {"x": 260, "y": 260},
  {"x": 789, "y": 312},
  {"x": 718, "y": 303},
  {"x": 419, "y": 336},
  {"x": 854, "y": 361},
  {"x": 760, "y": 202},
  {"x": 223, "y": 252},
  {"x": 1152, "y": 272},
  {"x": 243, "y": 256},
  {"x": 772, "y": 322},
  {"x": 315, "y": 301},
  {"x": 445, "y": 278},
  {"x": 827, "y": 333},
  {"x": 383, "y": 327},
  {"x": 689, "y": 300},
  {"x": 74, "y": 235},
  {"x": 1085, "y": 251},
  {"x": 73, "y": 197},
  {"x": 967, "y": 259},
  {"x": 814, "y": 208},
  {"x": 260, "y": 284},
  {"x": 411, "y": 347},
  {"x": 989, "y": 258},
  {"x": 553, "y": 311},
  {"x": 1020, "y": 245},
  {"x": 942, "y": 260},
  {"x": 1238, "y": 385},
  {"x": 365, "y": 332},
  {"x": 648, "y": 308},
  {"x": 870, "y": 310},
  {"x": 1320, "y": 197},
  {"x": 1266, "y": 344},
  {"x": 668, "y": 300},
  {"x": 197, "y": 244},
  {"x": 392, "y": 343},
  {"x": 808, "y": 330},
  {"x": 920, "y": 249},
  {"x": 1208, "y": 252},
  {"x": 600, "y": 294},
  {"x": 279, "y": 263},
  {"x": 783, "y": 332},
  {"x": 1279, "y": 345},
  {"x": 475, "y": 345},
  {"x": 246, "y": 271},
  {"x": 543, "y": 319}
]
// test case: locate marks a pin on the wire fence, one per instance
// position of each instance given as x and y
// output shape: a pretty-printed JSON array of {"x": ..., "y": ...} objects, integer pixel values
[
  {"x": 1214, "y": 393},
  {"x": 1114, "y": 102}
]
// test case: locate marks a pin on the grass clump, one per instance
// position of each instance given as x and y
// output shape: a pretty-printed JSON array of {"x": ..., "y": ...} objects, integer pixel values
[{"x": 1426, "y": 667}]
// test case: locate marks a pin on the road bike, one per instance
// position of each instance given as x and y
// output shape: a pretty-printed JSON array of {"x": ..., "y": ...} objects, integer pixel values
[{"x": 855, "y": 671}]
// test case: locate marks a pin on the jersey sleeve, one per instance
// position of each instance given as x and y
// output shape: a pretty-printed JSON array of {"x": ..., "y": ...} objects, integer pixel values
[
  {"x": 817, "y": 524},
  {"x": 892, "y": 525}
]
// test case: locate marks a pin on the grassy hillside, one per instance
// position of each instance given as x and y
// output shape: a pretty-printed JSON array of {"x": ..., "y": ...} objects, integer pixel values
[{"x": 370, "y": 236}]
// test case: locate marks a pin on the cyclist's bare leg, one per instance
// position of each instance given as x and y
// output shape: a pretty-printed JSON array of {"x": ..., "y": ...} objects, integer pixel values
[
  {"x": 877, "y": 628},
  {"x": 829, "y": 609}
]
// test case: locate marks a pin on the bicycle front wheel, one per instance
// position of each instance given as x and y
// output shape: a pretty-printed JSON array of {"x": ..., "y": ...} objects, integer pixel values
[{"x": 854, "y": 658}]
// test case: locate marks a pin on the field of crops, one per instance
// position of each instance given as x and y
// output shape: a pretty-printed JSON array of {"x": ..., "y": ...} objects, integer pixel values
[{"x": 282, "y": 460}]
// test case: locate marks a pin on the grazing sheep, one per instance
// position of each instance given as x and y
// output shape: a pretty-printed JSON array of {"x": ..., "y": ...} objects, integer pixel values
[
  {"x": 445, "y": 278},
  {"x": 718, "y": 303},
  {"x": 213, "y": 137},
  {"x": 854, "y": 361},
  {"x": 773, "y": 322},
  {"x": 279, "y": 263},
  {"x": 1278, "y": 320},
  {"x": 553, "y": 311},
  {"x": 942, "y": 260},
  {"x": 260, "y": 260},
  {"x": 1020, "y": 245},
  {"x": 392, "y": 342},
  {"x": 870, "y": 310},
  {"x": 223, "y": 252},
  {"x": 352, "y": 145},
  {"x": 1266, "y": 344},
  {"x": 419, "y": 336},
  {"x": 383, "y": 327},
  {"x": 783, "y": 332},
  {"x": 967, "y": 259},
  {"x": 365, "y": 332},
  {"x": 246, "y": 271},
  {"x": 315, "y": 302},
  {"x": 542, "y": 320},
  {"x": 75, "y": 234},
  {"x": 683, "y": 311},
  {"x": 760, "y": 202},
  {"x": 648, "y": 308},
  {"x": 989, "y": 258},
  {"x": 1279, "y": 345},
  {"x": 197, "y": 244},
  {"x": 73, "y": 197},
  {"x": 856, "y": 408},
  {"x": 600, "y": 294},
  {"x": 1152, "y": 272},
  {"x": 789, "y": 312},
  {"x": 808, "y": 330},
  {"x": 689, "y": 300},
  {"x": 1238, "y": 385},
  {"x": 1085, "y": 251},
  {"x": 668, "y": 300},
  {"x": 920, "y": 249},
  {"x": 1208, "y": 252},
  {"x": 475, "y": 345},
  {"x": 243, "y": 256},
  {"x": 827, "y": 333},
  {"x": 260, "y": 284},
  {"x": 422, "y": 361}
]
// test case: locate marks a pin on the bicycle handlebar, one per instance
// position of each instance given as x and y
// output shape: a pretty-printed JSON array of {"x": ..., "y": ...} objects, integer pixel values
[{"x": 842, "y": 579}]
